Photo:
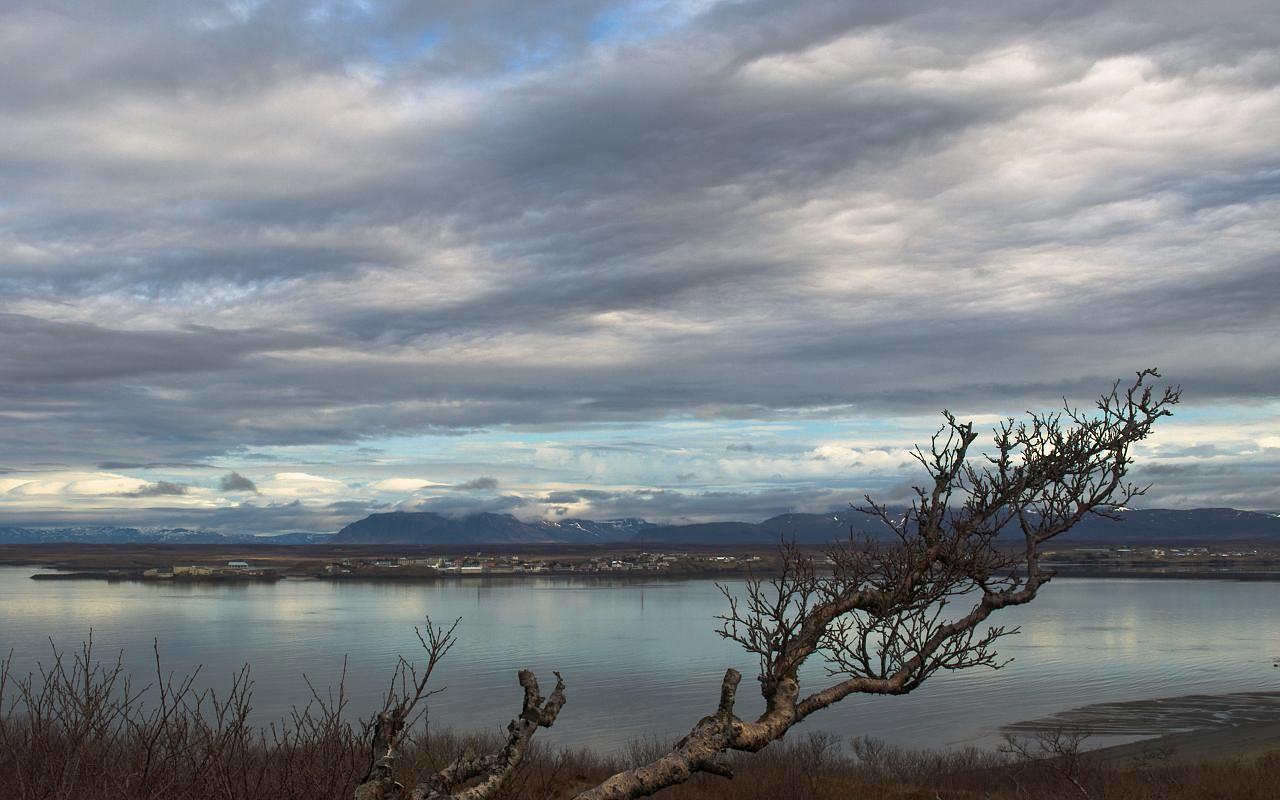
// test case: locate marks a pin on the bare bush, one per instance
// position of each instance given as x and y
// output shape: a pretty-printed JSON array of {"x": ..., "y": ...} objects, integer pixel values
[
  {"x": 1060, "y": 750},
  {"x": 918, "y": 766},
  {"x": 82, "y": 728}
]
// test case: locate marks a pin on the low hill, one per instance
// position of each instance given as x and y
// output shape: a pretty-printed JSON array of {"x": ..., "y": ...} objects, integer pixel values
[
  {"x": 108, "y": 534},
  {"x": 1134, "y": 526}
]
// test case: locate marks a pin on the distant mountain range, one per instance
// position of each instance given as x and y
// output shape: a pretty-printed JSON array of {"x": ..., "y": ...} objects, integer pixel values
[
  {"x": 428, "y": 528},
  {"x": 119, "y": 535},
  {"x": 425, "y": 527},
  {"x": 1136, "y": 526}
]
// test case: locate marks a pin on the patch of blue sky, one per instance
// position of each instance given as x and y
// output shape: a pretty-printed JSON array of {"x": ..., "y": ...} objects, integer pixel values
[
  {"x": 536, "y": 55},
  {"x": 339, "y": 11},
  {"x": 663, "y": 440},
  {"x": 1226, "y": 413},
  {"x": 709, "y": 436},
  {"x": 640, "y": 20},
  {"x": 389, "y": 52}
]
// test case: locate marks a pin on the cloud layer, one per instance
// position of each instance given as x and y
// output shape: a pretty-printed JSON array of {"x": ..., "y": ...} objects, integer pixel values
[{"x": 477, "y": 239}]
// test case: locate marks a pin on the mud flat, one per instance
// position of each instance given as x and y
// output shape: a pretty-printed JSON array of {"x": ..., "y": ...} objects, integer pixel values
[
  {"x": 1244, "y": 741},
  {"x": 1190, "y": 728},
  {"x": 116, "y": 575}
]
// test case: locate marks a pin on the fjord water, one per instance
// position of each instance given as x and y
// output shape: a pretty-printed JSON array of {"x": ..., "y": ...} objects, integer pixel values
[{"x": 642, "y": 658}]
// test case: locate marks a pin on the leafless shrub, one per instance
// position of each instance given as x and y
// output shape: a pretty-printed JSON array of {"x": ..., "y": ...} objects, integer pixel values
[
  {"x": 905, "y": 765},
  {"x": 1059, "y": 750},
  {"x": 644, "y": 749},
  {"x": 79, "y": 727}
]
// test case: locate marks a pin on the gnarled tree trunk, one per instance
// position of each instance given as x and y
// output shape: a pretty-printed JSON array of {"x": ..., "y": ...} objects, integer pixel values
[{"x": 880, "y": 619}]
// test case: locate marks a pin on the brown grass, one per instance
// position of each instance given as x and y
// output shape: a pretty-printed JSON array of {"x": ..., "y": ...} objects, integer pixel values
[{"x": 79, "y": 728}]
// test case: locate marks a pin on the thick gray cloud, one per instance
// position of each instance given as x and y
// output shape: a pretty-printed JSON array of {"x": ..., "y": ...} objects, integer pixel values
[
  {"x": 674, "y": 505},
  {"x": 235, "y": 482},
  {"x": 234, "y": 227},
  {"x": 481, "y": 484},
  {"x": 457, "y": 506},
  {"x": 158, "y": 489}
]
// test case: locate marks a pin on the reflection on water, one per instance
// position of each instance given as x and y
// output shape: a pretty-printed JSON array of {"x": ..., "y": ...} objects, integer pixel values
[{"x": 643, "y": 658}]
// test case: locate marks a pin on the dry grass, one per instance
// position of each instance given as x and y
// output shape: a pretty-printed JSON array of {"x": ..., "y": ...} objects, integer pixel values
[{"x": 82, "y": 729}]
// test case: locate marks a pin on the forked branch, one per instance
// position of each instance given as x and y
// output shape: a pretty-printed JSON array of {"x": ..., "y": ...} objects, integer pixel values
[{"x": 471, "y": 776}]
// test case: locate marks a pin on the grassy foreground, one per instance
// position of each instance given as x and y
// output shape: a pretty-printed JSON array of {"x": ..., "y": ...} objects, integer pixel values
[{"x": 80, "y": 729}]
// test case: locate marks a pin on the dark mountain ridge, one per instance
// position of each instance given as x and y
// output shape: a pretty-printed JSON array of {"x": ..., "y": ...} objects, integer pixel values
[
  {"x": 424, "y": 527},
  {"x": 109, "y": 534},
  {"x": 427, "y": 528}
]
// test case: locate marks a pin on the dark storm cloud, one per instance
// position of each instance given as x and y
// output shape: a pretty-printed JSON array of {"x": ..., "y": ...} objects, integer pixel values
[
  {"x": 577, "y": 495},
  {"x": 158, "y": 489},
  {"x": 235, "y": 482},
  {"x": 230, "y": 227},
  {"x": 481, "y": 484}
]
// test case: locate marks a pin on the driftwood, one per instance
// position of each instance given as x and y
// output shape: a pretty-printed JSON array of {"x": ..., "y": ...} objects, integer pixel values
[{"x": 882, "y": 618}]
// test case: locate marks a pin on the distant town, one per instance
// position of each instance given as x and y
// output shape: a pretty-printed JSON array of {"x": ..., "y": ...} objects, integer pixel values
[
  {"x": 182, "y": 563},
  {"x": 430, "y": 566}
]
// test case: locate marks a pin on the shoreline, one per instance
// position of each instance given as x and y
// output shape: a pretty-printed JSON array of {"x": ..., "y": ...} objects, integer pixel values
[
  {"x": 59, "y": 572},
  {"x": 1182, "y": 729},
  {"x": 1193, "y": 573},
  {"x": 1245, "y": 741},
  {"x": 417, "y": 563}
]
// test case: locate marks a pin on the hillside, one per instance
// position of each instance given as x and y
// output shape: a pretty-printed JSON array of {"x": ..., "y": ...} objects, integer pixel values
[
  {"x": 427, "y": 528},
  {"x": 1135, "y": 526}
]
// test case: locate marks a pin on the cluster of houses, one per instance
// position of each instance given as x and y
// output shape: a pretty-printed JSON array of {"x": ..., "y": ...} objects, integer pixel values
[
  {"x": 480, "y": 564},
  {"x": 233, "y": 569},
  {"x": 452, "y": 566},
  {"x": 1128, "y": 553},
  {"x": 1186, "y": 552}
]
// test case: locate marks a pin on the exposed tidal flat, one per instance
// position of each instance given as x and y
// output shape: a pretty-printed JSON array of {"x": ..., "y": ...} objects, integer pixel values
[{"x": 641, "y": 658}]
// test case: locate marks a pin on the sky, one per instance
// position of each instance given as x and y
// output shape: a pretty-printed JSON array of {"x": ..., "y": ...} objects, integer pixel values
[{"x": 271, "y": 266}]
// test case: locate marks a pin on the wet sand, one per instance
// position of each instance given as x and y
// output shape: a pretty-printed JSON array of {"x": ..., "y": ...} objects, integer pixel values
[
  {"x": 1245, "y": 741},
  {"x": 1184, "y": 729}
]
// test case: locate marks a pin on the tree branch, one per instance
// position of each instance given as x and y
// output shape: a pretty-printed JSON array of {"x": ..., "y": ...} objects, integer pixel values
[{"x": 883, "y": 619}]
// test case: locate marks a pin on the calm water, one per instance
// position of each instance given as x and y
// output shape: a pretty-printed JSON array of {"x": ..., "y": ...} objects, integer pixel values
[{"x": 643, "y": 658}]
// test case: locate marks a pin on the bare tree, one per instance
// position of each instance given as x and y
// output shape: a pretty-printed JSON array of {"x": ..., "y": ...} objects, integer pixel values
[{"x": 884, "y": 617}]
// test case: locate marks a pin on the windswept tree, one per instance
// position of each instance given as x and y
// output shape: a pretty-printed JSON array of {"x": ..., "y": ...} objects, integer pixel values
[{"x": 883, "y": 617}]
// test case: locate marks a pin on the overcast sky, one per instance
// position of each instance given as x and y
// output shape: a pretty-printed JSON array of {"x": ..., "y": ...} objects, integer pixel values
[{"x": 269, "y": 266}]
